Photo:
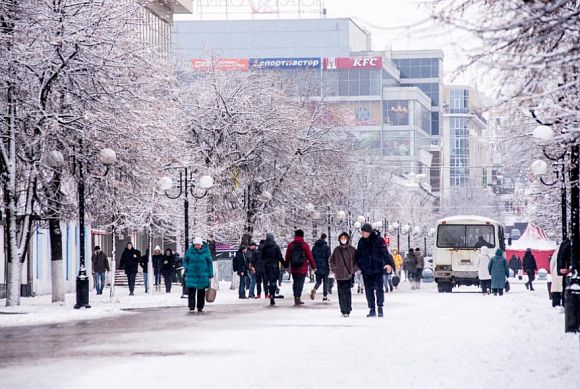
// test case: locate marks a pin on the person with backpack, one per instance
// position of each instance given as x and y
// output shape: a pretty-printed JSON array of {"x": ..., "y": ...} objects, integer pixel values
[
  {"x": 321, "y": 254},
  {"x": 298, "y": 257},
  {"x": 272, "y": 258},
  {"x": 373, "y": 258},
  {"x": 343, "y": 265},
  {"x": 530, "y": 268}
]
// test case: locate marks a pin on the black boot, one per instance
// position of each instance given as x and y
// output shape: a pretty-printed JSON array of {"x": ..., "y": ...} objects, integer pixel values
[
  {"x": 380, "y": 311},
  {"x": 372, "y": 313}
]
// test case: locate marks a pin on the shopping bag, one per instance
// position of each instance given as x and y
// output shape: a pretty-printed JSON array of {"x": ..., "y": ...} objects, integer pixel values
[
  {"x": 507, "y": 286},
  {"x": 396, "y": 280},
  {"x": 211, "y": 292}
]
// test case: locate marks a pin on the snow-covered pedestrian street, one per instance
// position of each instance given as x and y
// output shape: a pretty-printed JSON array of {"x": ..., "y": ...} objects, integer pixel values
[{"x": 425, "y": 340}]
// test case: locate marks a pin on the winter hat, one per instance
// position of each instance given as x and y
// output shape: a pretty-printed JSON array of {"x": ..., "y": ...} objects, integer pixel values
[
  {"x": 157, "y": 248},
  {"x": 270, "y": 237},
  {"x": 367, "y": 228},
  {"x": 499, "y": 253},
  {"x": 299, "y": 233},
  {"x": 197, "y": 240},
  {"x": 345, "y": 235},
  {"x": 484, "y": 250},
  {"x": 97, "y": 248}
]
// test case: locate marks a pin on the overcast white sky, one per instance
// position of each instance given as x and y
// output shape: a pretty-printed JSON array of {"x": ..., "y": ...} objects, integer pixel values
[{"x": 401, "y": 24}]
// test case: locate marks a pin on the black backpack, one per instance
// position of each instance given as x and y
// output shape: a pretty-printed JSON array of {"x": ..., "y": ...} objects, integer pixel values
[{"x": 298, "y": 255}]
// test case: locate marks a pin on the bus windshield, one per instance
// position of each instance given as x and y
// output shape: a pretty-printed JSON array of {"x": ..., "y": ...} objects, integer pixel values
[{"x": 465, "y": 236}]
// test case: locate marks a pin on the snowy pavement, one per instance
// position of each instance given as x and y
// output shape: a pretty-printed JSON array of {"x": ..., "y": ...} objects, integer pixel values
[{"x": 425, "y": 340}]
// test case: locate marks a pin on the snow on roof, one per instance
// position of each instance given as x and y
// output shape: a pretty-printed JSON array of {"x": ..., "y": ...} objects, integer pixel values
[
  {"x": 534, "y": 238},
  {"x": 468, "y": 219}
]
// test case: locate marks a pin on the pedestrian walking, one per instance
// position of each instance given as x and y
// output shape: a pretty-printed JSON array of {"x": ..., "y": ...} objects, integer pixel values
[
  {"x": 398, "y": 259},
  {"x": 258, "y": 264},
  {"x": 483, "y": 271},
  {"x": 321, "y": 254},
  {"x": 530, "y": 268},
  {"x": 130, "y": 263},
  {"x": 515, "y": 264},
  {"x": 420, "y": 266},
  {"x": 251, "y": 270},
  {"x": 411, "y": 262},
  {"x": 167, "y": 269},
  {"x": 239, "y": 266},
  {"x": 198, "y": 271},
  {"x": 272, "y": 257},
  {"x": 373, "y": 258},
  {"x": 157, "y": 259},
  {"x": 557, "y": 280},
  {"x": 144, "y": 262},
  {"x": 343, "y": 265},
  {"x": 499, "y": 271},
  {"x": 100, "y": 268},
  {"x": 298, "y": 257}
]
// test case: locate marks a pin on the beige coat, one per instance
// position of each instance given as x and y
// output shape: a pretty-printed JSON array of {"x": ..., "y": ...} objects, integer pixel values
[{"x": 557, "y": 282}]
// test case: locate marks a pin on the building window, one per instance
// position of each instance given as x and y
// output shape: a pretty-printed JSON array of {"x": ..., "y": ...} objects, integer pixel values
[
  {"x": 422, "y": 117},
  {"x": 431, "y": 89},
  {"x": 352, "y": 82},
  {"x": 418, "y": 67},
  {"x": 434, "y": 123},
  {"x": 396, "y": 112},
  {"x": 397, "y": 144},
  {"x": 459, "y": 151},
  {"x": 459, "y": 101}
]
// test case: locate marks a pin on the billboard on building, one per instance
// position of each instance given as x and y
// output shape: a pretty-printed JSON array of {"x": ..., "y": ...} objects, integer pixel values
[
  {"x": 239, "y": 64},
  {"x": 285, "y": 63},
  {"x": 331, "y": 63}
]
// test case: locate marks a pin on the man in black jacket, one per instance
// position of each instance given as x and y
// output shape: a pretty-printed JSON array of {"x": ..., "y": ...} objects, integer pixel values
[
  {"x": 258, "y": 264},
  {"x": 321, "y": 254},
  {"x": 239, "y": 267},
  {"x": 530, "y": 268},
  {"x": 373, "y": 258},
  {"x": 130, "y": 263},
  {"x": 272, "y": 257}
]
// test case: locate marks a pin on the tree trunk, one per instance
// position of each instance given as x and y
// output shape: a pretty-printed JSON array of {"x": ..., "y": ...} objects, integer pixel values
[{"x": 56, "y": 269}]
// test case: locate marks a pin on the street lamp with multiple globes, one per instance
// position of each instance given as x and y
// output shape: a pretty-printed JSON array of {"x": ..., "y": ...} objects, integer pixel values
[
  {"x": 186, "y": 186},
  {"x": 108, "y": 158}
]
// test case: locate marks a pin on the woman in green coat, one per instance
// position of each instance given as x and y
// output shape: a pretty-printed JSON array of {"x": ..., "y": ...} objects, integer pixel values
[
  {"x": 499, "y": 270},
  {"x": 198, "y": 267}
]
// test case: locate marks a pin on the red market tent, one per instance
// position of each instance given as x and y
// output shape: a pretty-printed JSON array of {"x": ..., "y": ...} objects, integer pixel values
[{"x": 536, "y": 239}]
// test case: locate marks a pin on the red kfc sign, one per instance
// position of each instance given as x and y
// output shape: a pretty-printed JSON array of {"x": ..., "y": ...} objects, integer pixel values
[{"x": 331, "y": 63}]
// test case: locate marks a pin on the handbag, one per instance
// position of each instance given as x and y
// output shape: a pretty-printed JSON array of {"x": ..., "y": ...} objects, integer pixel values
[
  {"x": 211, "y": 292},
  {"x": 507, "y": 286},
  {"x": 396, "y": 279}
]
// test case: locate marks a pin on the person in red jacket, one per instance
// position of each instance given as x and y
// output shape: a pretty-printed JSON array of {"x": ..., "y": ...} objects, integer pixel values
[{"x": 298, "y": 256}]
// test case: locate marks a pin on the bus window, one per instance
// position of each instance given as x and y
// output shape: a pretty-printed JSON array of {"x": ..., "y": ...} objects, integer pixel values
[{"x": 465, "y": 236}]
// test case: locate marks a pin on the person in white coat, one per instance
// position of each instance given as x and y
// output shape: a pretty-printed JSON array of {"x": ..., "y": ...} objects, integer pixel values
[
  {"x": 557, "y": 281},
  {"x": 483, "y": 272}
]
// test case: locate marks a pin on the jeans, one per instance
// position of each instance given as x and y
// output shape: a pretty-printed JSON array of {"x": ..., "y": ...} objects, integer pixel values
[
  {"x": 167, "y": 278},
  {"x": 272, "y": 286},
  {"x": 320, "y": 279},
  {"x": 157, "y": 278},
  {"x": 191, "y": 295},
  {"x": 374, "y": 288},
  {"x": 252, "y": 281},
  {"x": 261, "y": 280},
  {"x": 388, "y": 282},
  {"x": 345, "y": 296},
  {"x": 418, "y": 276},
  {"x": 131, "y": 281},
  {"x": 242, "y": 289},
  {"x": 145, "y": 281},
  {"x": 298, "y": 284},
  {"x": 100, "y": 281}
]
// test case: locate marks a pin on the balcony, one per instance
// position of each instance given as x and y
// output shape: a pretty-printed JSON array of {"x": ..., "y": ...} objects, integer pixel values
[{"x": 465, "y": 111}]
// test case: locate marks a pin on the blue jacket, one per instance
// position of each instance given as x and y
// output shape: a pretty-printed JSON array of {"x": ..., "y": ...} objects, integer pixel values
[
  {"x": 372, "y": 255},
  {"x": 321, "y": 253},
  {"x": 499, "y": 270},
  {"x": 198, "y": 266}
]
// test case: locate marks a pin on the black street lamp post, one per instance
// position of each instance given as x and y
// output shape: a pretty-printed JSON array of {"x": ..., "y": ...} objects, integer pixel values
[{"x": 108, "y": 158}]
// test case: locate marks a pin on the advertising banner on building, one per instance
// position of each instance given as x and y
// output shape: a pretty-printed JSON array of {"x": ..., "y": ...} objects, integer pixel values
[
  {"x": 233, "y": 64},
  {"x": 331, "y": 63},
  {"x": 285, "y": 63}
]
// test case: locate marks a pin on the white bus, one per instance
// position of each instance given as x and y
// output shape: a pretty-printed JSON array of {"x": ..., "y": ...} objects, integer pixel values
[{"x": 457, "y": 243}]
